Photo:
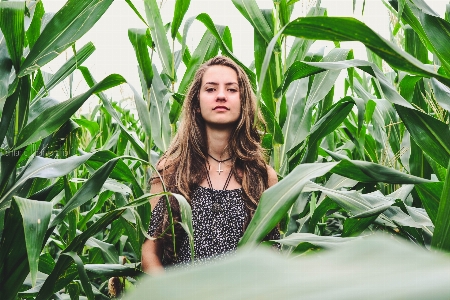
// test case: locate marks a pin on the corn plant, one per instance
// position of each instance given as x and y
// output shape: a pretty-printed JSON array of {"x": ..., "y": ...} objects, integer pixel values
[{"x": 69, "y": 208}]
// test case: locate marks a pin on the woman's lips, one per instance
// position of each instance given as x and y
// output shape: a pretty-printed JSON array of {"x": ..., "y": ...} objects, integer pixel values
[{"x": 220, "y": 108}]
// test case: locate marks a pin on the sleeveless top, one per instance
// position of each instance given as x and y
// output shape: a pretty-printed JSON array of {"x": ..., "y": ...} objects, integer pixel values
[{"x": 218, "y": 218}]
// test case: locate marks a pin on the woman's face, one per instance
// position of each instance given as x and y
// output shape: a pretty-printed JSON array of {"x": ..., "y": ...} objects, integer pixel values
[{"x": 220, "y": 104}]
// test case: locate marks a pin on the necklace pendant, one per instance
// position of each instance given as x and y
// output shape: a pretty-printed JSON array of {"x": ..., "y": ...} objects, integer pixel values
[{"x": 219, "y": 170}]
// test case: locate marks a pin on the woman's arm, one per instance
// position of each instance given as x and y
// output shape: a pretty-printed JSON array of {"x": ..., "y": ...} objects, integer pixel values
[
  {"x": 272, "y": 176},
  {"x": 152, "y": 249}
]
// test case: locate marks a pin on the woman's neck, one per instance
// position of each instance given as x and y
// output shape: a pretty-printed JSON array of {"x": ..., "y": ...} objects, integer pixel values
[{"x": 218, "y": 141}]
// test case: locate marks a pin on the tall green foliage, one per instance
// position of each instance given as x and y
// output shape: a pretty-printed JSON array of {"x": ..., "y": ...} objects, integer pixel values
[{"x": 72, "y": 187}]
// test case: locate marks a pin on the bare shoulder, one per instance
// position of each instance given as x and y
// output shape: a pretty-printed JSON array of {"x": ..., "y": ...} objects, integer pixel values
[{"x": 272, "y": 175}]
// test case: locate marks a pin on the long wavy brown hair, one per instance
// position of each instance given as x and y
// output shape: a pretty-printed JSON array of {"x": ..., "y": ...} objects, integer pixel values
[{"x": 184, "y": 165}]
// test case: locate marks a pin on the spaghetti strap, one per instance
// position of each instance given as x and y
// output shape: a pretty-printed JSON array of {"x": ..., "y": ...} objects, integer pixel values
[{"x": 226, "y": 182}]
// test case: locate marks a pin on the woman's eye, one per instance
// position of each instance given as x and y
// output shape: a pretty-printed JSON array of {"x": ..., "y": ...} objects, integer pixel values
[{"x": 233, "y": 90}]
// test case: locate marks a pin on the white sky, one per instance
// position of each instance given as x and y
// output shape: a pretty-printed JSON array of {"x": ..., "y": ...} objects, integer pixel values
[{"x": 114, "y": 53}]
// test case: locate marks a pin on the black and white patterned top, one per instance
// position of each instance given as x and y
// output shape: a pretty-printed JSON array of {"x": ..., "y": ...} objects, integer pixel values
[{"x": 218, "y": 218}]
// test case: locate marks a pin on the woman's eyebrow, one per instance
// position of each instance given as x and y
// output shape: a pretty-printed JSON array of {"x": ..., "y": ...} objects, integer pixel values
[{"x": 215, "y": 83}]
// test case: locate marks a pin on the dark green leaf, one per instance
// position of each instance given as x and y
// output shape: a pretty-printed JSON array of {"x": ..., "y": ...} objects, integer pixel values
[
  {"x": 139, "y": 38},
  {"x": 441, "y": 235},
  {"x": 12, "y": 25},
  {"x": 429, "y": 133},
  {"x": 181, "y": 7}
]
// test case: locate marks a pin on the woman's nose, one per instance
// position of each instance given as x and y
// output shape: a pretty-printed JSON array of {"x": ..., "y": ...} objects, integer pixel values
[{"x": 221, "y": 94}]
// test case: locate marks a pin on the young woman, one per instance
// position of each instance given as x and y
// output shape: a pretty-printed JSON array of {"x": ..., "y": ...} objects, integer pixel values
[{"x": 216, "y": 162}]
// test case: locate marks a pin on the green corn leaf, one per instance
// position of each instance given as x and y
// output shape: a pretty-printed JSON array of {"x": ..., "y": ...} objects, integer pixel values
[
  {"x": 131, "y": 136},
  {"x": 111, "y": 270},
  {"x": 5, "y": 71},
  {"x": 52, "y": 118},
  {"x": 12, "y": 25},
  {"x": 295, "y": 101},
  {"x": 277, "y": 200},
  {"x": 87, "y": 191},
  {"x": 67, "y": 69},
  {"x": 430, "y": 134},
  {"x": 355, "y": 226},
  {"x": 272, "y": 125},
  {"x": 208, "y": 22},
  {"x": 441, "y": 235},
  {"x": 379, "y": 258},
  {"x": 323, "y": 82},
  {"x": 69, "y": 24},
  {"x": 13, "y": 254},
  {"x": 139, "y": 38},
  {"x": 186, "y": 220},
  {"x": 181, "y": 7},
  {"x": 301, "y": 46},
  {"x": 121, "y": 172},
  {"x": 364, "y": 171},
  {"x": 159, "y": 112},
  {"x": 349, "y": 29},
  {"x": 44, "y": 168},
  {"x": 250, "y": 10},
  {"x": 109, "y": 252},
  {"x": 159, "y": 36},
  {"x": 85, "y": 283},
  {"x": 36, "y": 217},
  {"x": 320, "y": 212},
  {"x": 136, "y": 11},
  {"x": 325, "y": 242},
  {"x": 430, "y": 195},
  {"x": 206, "y": 49},
  {"x": 432, "y": 30},
  {"x": 331, "y": 120},
  {"x": 51, "y": 283},
  {"x": 16, "y": 103},
  {"x": 441, "y": 93},
  {"x": 271, "y": 79},
  {"x": 34, "y": 30}
]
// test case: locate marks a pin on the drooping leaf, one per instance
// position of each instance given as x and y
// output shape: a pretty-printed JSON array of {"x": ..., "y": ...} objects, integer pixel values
[
  {"x": 44, "y": 168},
  {"x": 36, "y": 217},
  {"x": 52, "y": 118}
]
